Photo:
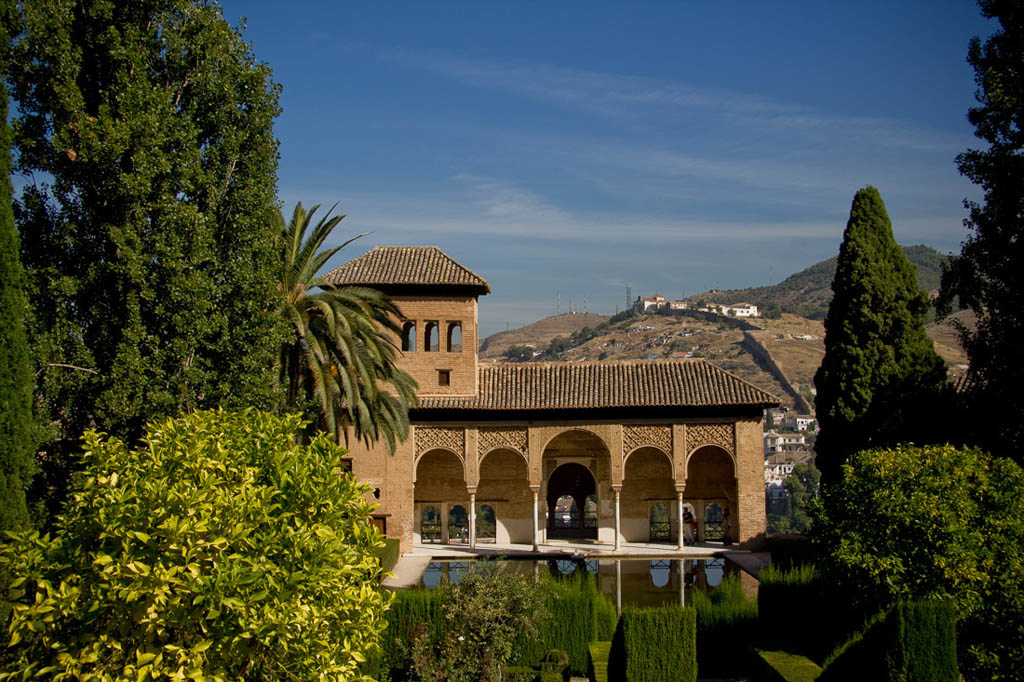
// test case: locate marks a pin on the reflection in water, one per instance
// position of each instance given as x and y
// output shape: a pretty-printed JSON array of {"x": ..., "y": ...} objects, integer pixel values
[
  {"x": 660, "y": 572},
  {"x": 641, "y": 582}
]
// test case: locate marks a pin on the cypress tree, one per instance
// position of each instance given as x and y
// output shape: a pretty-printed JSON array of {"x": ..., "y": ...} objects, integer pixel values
[
  {"x": 880, "y": 367},
  {"x": 150, "y": 253},
  {"x": 17, "y": 442}
]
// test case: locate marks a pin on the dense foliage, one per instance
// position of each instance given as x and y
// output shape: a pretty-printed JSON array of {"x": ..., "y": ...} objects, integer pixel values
[
  {"x": 17, "y": 432},
  {"x": 936, "y": 521},
  {"x": 579, "y": 614},
  {"x": 573, "y": 613},
  {"x": 880, "y": 367},
  {"x": 218, "y": 547},
  {"x": 801, "y": 488},
  {"x": 484, "y": 614},
  {"x": 144, "y": 130},
  {"x": 654, "y": 645},
  {"x": 987, "y": 275},
  {"x": 341, "y": 354}
]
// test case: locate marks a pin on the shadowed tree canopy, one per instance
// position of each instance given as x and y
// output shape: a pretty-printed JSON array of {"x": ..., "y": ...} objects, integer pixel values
[
  {"x": 880, "y": 369},
  {"x": 144, "y": 131},
  {"x": 988, "y": 275},
  {"x": 17, "y": 430}
]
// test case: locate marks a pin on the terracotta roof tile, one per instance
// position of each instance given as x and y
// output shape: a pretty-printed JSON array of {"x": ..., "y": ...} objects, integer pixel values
[
  {"x": 405, "y": 265},
  {"x": 659, "y": 383}
]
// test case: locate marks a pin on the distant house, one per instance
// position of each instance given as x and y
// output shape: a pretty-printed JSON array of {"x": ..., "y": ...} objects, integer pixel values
[
  {"x": 644, "y": 304},
  {"x": 678, "y": 305},
  {"x": 800, "y": 422},
  {"x": 783, "y": 442},
  {"x": 734, "y": 310}
]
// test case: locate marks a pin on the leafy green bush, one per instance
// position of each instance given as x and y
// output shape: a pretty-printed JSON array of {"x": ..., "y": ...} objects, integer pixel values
[
  {"x": 218, "y": 547},
  {"x": 911, "y": 642},
  {"x": 483, "y": 615},
  {"x": 912, "y": 523},
  {"x": 654, "y": 645},
  {"x": 726, "y": 629}
]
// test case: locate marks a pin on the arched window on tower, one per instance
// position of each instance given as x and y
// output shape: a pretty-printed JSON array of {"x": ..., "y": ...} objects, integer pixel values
[
  {"x": 454, "y": 337},
  {"x": 409, "y": 336},
  {"x": 431, "y": 339}
]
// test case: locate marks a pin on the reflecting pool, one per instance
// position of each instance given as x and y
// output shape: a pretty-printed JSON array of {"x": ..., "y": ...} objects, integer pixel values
[{"x": 641, "y": 582}]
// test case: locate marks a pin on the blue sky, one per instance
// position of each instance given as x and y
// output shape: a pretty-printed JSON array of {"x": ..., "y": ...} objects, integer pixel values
[{"x": 567, "y": 149}]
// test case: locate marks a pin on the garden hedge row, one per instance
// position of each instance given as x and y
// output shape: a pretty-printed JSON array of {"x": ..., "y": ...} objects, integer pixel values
[
  {"x": 654, "y": 645},
  {"x": 911, "y": 642}
]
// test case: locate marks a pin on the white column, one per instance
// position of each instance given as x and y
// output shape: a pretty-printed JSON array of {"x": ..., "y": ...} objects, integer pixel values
[
  {"x": 472, "y": 520},
  {"x": 618, "y": 586},
  {"x": 682, "y": 581},
  {"x": 536, "y": 511},
  {"x": 618, "y": 491},
  {"x": 679, "y": 518}
]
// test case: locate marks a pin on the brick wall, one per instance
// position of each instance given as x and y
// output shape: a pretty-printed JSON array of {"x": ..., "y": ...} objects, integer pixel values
[{"x": 424, "y": 364}]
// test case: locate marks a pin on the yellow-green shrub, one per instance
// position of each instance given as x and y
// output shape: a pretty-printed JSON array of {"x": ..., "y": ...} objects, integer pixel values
[{"x": 217, "y": 547}]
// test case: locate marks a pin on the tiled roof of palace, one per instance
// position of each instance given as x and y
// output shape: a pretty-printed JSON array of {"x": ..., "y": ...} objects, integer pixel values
[
  {"x": 406, "y": 265},
  {"x": 659, "y": 383}
]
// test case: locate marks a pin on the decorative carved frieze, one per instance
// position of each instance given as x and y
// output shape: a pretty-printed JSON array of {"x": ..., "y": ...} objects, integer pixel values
[
  {"x": 490, "y": 437},
  {"x": 636, "y": 435},
  {"x": 447, "y": 437},
  {"x": 698, "y": 435}
]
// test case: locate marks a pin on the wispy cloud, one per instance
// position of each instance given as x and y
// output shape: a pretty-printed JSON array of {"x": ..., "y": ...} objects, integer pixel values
[{"x": 631, "y": 96}]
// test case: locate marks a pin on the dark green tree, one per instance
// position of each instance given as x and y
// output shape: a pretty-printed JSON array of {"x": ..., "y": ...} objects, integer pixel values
[
  {"x": 149, "y": 250},
  {"x": 987, "y": 275},
  {"x": 17, "y": 430},
  {"x": 880, "y": 369},
  {"x": 518, "y": 353}
]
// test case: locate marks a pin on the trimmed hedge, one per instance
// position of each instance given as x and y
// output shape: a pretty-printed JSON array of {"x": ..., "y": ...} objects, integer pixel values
[
  {"x": 388, "y": 554},
  {"x": 654, "y": 645},
  {"x": 409, "y": 609},
  {"x": 580, "y": 614},
  {"x": 801, "y": 614},
  {"x": 782, "y": 666},
  {"x": 911, "y": 642},
  {"x": 727, "y": 626},
  {"x": 597, "y": 670}
]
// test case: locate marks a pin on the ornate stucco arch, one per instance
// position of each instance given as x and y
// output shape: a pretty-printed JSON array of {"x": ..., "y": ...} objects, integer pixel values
[
  {"x": 581, "y": 429},
  {"x": 420, "y": 456}
]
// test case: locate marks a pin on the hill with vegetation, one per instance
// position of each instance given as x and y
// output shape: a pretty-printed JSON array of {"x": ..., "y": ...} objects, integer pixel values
[
  {"x": 539, "y": 334},
  {"x": 808, "y": 292}
]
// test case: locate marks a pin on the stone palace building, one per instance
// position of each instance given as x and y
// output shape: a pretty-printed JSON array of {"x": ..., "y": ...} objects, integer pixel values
[{"x": 527, "y": 453}]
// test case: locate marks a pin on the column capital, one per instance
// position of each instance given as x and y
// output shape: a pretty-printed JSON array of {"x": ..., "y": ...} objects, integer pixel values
[
  {"x": 616, "y": 488},
  {"x": 471, "y": 489},
  {"x": 680, "y": 488}
]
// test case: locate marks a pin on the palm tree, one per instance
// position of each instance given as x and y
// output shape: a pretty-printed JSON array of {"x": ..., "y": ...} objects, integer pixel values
[{"x": 341, "y": 360}]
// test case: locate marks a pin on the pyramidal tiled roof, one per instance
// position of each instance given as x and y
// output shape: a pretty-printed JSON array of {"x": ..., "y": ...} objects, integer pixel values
[
  {"x": 555, "y": 386},
  {"x": 406, "y": 265}
]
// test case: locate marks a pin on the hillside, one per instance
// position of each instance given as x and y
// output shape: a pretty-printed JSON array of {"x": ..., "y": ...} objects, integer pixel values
[
  {"x": 808, "y": 292},
  {"x": 539, "y": 334}
]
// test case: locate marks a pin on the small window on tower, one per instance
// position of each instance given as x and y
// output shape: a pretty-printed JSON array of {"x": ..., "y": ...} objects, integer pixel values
[{"x": 444, "y": 377}]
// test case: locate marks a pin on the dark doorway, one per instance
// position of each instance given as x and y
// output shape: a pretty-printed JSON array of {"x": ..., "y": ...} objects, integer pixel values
[{"x": 568, "y": 489}]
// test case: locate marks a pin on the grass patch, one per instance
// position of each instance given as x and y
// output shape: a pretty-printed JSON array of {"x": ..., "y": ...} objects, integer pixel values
[
  {"x": 598, "y": 668},
  {"x": 787, "y": 667}
]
